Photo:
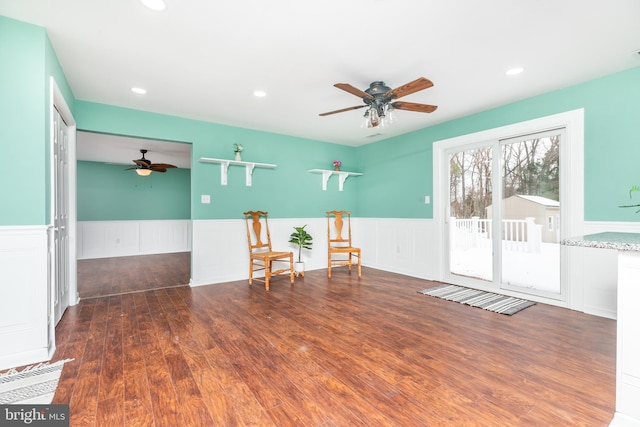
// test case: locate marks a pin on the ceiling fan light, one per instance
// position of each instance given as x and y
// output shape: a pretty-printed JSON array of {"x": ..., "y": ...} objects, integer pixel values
[
  {"x": 391, "y": 117},
  {"x": 374, "y": 119},
  {"x": 143, "y": 172}
]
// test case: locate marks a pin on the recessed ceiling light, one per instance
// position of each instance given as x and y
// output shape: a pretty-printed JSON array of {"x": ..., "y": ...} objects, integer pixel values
[
  {"x": 514, "y": 71},
  {"x": 158, "y": 5},
  {"x": 138, "y": 90},
  {"x": 259, "y": 93}
]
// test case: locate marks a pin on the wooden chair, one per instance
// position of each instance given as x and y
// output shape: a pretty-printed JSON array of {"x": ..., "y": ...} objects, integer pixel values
[
  {"x": 261, "y": 255},
  {"x": 339, "y": 245}
]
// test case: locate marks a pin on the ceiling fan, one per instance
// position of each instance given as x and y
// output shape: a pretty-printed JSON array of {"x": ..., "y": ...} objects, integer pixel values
[
  {"x": 381, "y": 100},
  {"x": 145, "y": 167}
]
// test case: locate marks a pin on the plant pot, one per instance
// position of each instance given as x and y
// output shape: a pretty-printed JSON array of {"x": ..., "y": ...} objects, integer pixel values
[
  {"x": 298, "y": 267},
  {"x": 238, "y": 157}
]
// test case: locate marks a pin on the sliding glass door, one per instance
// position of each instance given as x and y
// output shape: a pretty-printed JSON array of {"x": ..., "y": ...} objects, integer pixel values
[{"x": 503, "y": 222}]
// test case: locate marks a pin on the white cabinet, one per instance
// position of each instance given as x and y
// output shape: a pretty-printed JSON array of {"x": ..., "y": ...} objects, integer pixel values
[{"x": 628, "y": 341}]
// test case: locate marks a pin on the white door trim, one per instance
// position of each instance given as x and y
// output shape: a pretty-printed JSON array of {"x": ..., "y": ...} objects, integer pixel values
[
  {"x": 571, "y": 171},
  {"x": 57, "y": 102}
]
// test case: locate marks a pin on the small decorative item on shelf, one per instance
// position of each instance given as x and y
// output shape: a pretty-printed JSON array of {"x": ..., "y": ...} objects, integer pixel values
[
  {"x": 237, "y": 148},
  {"x": 336, "y": 165}
]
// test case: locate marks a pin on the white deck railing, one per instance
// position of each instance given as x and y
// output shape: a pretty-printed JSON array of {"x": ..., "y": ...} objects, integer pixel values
[{"x": 518, "y": 235}]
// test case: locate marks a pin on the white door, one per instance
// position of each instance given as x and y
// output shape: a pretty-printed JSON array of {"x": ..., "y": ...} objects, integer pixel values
[{"x": 60, "y": 216}]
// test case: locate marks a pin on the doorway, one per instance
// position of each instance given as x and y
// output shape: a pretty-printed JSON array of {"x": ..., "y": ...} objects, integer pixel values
[
  {"x": 504, "y": 209},
  {"x": 134, "y": 230},
  {"x": 504, "y": 193}
]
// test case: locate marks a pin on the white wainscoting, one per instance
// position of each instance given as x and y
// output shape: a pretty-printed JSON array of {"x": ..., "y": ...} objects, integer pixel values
[
  {"x": 600, "y": 271},
  {"x": 24, "y": 289},
  {"x": 105, "y": 239},
  {"x": 220, "y": 249},
  {"x": 220, "y": 252},
  {"x": 404, "y": 246}
]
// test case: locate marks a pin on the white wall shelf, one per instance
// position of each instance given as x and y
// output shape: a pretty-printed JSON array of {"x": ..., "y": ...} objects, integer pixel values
[
  {"x": 342, "y": 177},
  {"x": 224, "y": 166}
]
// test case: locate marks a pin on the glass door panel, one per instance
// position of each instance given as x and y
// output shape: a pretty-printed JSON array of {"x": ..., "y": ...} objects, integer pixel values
[
  {"x": 529, "y": 214},
  {"x": 470, "y": 232}
]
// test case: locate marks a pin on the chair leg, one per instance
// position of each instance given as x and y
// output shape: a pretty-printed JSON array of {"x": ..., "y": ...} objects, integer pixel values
[
  {"x": 350, "y": 261},
  {"x": 267, "y": 273},
  {"x": 250, "y": 271},
  {"x": 329, "y": 266},
  {"x": 291, "y": 267},
  {"x": 359, "y": 265}
]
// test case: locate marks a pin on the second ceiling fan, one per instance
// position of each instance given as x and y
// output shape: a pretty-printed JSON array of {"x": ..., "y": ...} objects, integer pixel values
[
  {"x": 381, "y": 100},
  {"x": 145, "y": 167}
]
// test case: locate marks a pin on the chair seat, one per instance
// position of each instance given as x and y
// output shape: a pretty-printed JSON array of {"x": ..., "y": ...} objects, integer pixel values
[
  {"x": 344, "y": 249},
  {"x": 271, "y": 254}
]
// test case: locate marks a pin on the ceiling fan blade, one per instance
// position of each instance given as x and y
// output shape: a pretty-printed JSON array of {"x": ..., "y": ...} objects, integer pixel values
[
  {"x": 342, "y": 110},
  {"x": 411, "y": 87},
  {"x": 411, "y": 106},
  {"x": 158, "y": 169},
  {"x": 353, "y": 90},
  {"x": 161, "y": 166},
  {"x": 141, "y": 163}
]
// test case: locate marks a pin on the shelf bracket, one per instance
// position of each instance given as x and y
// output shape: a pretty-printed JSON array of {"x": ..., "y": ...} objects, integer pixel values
[
  {"x": 249, "y": 173},
  {"x": 342, "y": 176},
  {"x": 224, "y": 167},
  {"x": 325, "y": 179}
]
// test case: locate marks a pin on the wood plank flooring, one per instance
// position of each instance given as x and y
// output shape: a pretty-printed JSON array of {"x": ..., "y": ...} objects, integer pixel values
[
  {"x": 119, "y": 275},
  {"x": 339, "y": 352}
]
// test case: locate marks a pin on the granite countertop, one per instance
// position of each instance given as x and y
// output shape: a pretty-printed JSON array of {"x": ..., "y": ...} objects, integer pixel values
[{"x": 608, "y": 240}]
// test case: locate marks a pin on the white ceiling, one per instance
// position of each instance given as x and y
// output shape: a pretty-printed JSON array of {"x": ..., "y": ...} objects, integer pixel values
[
  {"x": 122, "y": 150},
  {"x": 203, "y": 59}
]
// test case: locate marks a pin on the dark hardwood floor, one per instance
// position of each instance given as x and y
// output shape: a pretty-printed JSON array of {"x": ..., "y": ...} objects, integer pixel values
[
  {"x": 339, "y": 352},
  {"x": 120, "y": 275}
]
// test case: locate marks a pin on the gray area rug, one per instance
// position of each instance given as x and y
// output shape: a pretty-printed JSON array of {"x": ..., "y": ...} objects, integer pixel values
[
  {"x": 489, "y": 301},
  {"x": 35, "y": 384}
]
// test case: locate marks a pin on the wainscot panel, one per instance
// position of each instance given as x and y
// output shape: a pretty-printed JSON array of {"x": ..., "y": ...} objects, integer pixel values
[
  {"x": 105, "y": 239},
  {"x": 24, "y": 288}
]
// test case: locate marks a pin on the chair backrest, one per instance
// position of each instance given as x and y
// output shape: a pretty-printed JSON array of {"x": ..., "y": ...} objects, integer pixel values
[
  {"x": 335, "y": 228},
  {"x": 254, "y": 220}
]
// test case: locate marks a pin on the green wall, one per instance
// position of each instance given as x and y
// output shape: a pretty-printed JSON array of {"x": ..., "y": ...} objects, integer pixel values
[
  {"x": 288, "y": 191},
  {"x": 110, "y": 193},
  {"x": 22, "y": 134},
  {"x": 398, "y": 171},
  {"x": 26, "y": 62}
]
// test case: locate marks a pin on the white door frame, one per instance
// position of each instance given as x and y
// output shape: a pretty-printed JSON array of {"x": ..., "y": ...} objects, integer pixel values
[
  {"x": 571, "y": 193},
  {"x": 57, "y": 102}
]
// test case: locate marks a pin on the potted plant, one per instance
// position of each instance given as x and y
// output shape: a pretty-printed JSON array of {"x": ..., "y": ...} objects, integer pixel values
[{"x": 304, "y": 240}]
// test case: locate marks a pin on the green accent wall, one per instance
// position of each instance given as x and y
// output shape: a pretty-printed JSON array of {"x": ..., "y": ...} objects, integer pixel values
[
  {"x": 26, "y": 62},
  {"x": 398, "y": 171},
  {"x": 22, "y": 135},
  {"x": 109, "y": 192},
  {"x": 288, "y": 191}
]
